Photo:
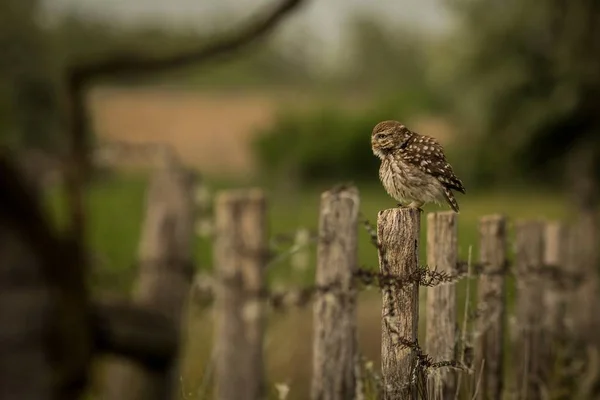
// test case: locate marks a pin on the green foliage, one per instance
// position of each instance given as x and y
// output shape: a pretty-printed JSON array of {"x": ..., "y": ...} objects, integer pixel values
[
  {"x": 524, "y": 77},
  {"x": 386, "y": 57},
  {"x": 331, "y": 143},
  {"x": 325, "y": 145}
]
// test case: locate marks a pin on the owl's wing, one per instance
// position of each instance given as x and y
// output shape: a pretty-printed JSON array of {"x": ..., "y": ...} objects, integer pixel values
[{"x": 427, "y": 154}]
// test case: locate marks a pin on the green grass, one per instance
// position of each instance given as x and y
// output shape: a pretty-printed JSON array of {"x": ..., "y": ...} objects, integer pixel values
[{"x": 116, "y": 209}]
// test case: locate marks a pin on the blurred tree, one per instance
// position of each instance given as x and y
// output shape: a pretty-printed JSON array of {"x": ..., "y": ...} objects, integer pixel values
[
  {"x": 528, "y": 79},
  {"x": 389, "y": 58},
  {"x": 28, "y": 99}
]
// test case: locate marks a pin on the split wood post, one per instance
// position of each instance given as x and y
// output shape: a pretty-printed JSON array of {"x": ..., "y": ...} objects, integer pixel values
[
  {"x": 335, "y": 333},
  {"x": 527, "y": 354},
  {"x": 165, "y": 274},
  {"x": 240, "y": 257},
  {"x": 440, "y": 345},
  {"x": 490, "y": 323},
  {"x": 398, "y": 232}
]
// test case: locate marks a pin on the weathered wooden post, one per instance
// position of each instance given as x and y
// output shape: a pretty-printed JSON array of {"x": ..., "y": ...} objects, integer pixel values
[
  {"x": 165, "y": 274},
  {"x": 557, "y": 288},
  {"x": 398, "y": 232},
  {"x": 489, "y": 326},
  {"x": 528, "y": 350},
  {"x": 556, "y": 285},
  {"x": 335, "y": 332},
  {"x": 442, "y": 255},
  {"x": 584, "y": 260},
  {"x": 240, "y": 257}
]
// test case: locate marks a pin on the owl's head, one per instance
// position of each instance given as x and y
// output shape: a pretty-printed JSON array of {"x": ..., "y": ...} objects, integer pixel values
[{"x": 388, "y": 136}]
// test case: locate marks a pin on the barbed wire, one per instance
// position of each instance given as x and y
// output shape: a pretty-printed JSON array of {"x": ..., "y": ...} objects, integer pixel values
[{"x": 206, "y": 286}]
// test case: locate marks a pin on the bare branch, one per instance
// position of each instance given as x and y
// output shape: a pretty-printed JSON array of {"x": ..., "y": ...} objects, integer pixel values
[
  {"x": 78, "y": 76},
  {"x": 131, "y": 331},
  {"x": 128, "y": 63}
]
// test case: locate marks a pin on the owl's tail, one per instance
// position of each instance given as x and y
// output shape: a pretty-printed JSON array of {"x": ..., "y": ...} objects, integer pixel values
[{"x": 451, "y": 199}]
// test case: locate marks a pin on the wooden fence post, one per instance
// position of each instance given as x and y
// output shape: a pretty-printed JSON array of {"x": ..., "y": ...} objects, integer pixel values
[
  {"x": 165, "y": 274},
  {"x": 559, "y": 283},
  {"x": 528, "y": 350},
  {"x": 442, "y": 255},
  {"x": 240, "y": 256},
  {"x": 335, "y": 332},
  {"x": 558, "y": 287},
  {"x": 489, "y": 326},
  {"x": 584, "y": 260},
  {"x": 398, "y": 232}
]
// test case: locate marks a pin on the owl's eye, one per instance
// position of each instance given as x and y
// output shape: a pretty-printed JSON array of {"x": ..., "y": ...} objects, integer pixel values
[{"x": 379, "y": 136}]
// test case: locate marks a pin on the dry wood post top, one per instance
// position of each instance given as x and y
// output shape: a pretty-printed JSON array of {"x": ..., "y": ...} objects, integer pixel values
[{"x": 398, "y": 232}]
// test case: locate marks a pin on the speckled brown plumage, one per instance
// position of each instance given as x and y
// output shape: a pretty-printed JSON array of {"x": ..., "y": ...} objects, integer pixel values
[{"x": 413, "y": 167}]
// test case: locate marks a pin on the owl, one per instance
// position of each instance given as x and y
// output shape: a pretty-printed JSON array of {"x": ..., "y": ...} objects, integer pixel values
[{"x": 413, "y": 167}]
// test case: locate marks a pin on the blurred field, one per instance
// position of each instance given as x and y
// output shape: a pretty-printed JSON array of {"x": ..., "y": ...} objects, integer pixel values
[
  {"x": 116, "y": 210},
  {"x": 210, "y": 129}
]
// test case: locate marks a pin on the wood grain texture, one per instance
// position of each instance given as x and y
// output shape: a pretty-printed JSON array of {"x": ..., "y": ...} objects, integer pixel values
[
  {"x": 491, "y": 295},
  {"x": 240, "y": 254},
  {"x": 398, "y": 232},
  {"x": 442, "y": 255},
  {"x": 335, "y": 332}
]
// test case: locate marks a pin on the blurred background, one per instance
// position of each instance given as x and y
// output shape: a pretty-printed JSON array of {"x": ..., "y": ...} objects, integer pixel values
[{"x": 511, "y": 89}]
